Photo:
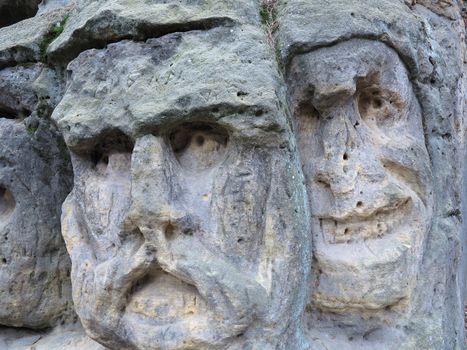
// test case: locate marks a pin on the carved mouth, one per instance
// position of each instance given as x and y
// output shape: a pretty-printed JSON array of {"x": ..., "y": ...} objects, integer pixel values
[
  {"x": 162, "y": 298},
  {"x": 358, "y": 226}
]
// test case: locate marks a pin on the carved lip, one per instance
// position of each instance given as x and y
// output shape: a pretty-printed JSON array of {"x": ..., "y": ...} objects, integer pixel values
[
  {"x": 371, "y": 224},
  {"x": 357, "y": 214},
  {"x": 164, "y": 298}
]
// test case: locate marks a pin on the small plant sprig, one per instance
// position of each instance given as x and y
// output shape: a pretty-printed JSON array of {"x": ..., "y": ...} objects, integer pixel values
[
  {"x": 51, "y": 35},
  {"x": 268, "y": 14}
]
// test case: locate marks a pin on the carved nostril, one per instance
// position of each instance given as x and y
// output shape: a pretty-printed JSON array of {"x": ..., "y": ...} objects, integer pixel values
[
  {"x": 200, "y": 140},
  {"x": 169, "y": 231},
  {"x": 188, "y": 232},
  {"x": 345, "y": 156},
  {"x": 359, "y": 204}
]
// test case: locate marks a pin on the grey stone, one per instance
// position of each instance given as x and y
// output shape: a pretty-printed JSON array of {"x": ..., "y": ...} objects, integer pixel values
[
  {"x": 27, "y": 40},
  {"x": 35, "y": 177},
  {"x": 336, "y": 57},
  {"x": 17, "y": 96},
  {"x": 273, "y": 174},
  {"x": 186, "y": 222},
  {"x": 34, "y": 266},
  {"x": 93, "y": 24}
]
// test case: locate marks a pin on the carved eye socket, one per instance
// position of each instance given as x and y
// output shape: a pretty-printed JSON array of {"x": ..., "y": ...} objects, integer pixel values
[
  {"x": 7, "y": 203},
  {"x": 378, "y": 106},
  {"x": 114, "y": 145},
  {"x": 199, "y": 146}
]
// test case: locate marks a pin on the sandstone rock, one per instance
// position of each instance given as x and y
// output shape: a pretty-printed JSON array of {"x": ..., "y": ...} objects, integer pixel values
[
  {"x": 93, "y": 24},
  {"x": 34, "y": 179},
  {"x": 70, "y": 337},
  {"x": 27, "y": 41},
  {"x": 185, "y": 225},
  {"x": 273, "y": 174},
  {"x": 34, "y": 266},
  {"x": 17, "y": 96},
  {"x": 321, "y": 50}
]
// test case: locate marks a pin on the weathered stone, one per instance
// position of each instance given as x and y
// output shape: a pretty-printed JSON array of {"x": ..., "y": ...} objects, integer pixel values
[
  {"x": 27, "y": 41},
  {"x": 185, "y": 225},
  {"x": 35, "y": 177},
  {"x": 379, "y": 265},
  {"x": 17, "y": 96},
  {"x": 96, "y": 23},
  {"x": 61, "y": 338},
  {"x": 258, "y": 174},
  {"x": 34, "y": 266}
]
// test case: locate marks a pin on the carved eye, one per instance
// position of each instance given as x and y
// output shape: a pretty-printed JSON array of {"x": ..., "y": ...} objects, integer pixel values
[
  {"x": 379, "y": 106},
  {"x": 199, "y": 146},
  {"x": 111, "y": 146},
  {"x": 7, "y": 203}
]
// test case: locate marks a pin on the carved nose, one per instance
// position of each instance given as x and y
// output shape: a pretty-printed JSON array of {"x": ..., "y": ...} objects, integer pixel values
[
  {"x": 175, "y": 222},
  {"x": 154, "y": 194},
  {"x": 152, "y": 190},
  {"x": 347, "y": 157}
]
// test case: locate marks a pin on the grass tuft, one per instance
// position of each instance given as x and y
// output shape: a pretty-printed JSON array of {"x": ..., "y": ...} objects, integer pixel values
[
  {"x": 268, "y": 13},
  {"x": 51, "y": 35}
]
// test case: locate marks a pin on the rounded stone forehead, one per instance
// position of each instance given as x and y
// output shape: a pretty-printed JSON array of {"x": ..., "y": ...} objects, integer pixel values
[
  {"x": 307, "y": 25},
  {"x": 227, "y": 75},
  {"x": 337, "y": 69}
]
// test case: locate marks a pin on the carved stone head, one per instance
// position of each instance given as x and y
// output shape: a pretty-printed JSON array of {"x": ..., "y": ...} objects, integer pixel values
[
  {"x": 368, "y": 173},
  {"x": 185, "y": 225},
  {"x": 34, "y": 180},
  {"x": 375, "y": 89}
]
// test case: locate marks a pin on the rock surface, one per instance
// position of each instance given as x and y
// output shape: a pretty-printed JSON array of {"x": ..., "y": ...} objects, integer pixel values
[
  {"x": 191, "y": 183},
  {"x": 258, "y": 174},
  {"x": 34, "y": 180},
  {"x": 431, "y": 46}
]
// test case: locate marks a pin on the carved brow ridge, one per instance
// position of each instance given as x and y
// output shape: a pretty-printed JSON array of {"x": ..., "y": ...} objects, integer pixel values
[{"x": 300, "y": 49}]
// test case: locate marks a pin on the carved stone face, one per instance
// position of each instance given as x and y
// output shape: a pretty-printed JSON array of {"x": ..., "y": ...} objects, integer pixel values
[
  {"x": 367, "y": 172},
  {"x": 185, "y": 227},
  {"x": 34, "y": 266}
]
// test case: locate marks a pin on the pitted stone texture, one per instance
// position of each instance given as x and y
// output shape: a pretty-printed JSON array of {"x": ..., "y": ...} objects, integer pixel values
[
  {"x": 94, "y": 24},
  {"x": 221, "y": 73},
  {"x": 17, "y": 96},
  {"x": 187, "y": 223},
  {"x": 368, "y": 173},
  {"x": 21, "y": 42},
  {"x": 432, "y": 48},
  {"x": 34, "y": 265}
]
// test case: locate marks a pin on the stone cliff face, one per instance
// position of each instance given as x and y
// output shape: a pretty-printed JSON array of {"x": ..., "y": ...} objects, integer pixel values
[{"x": 258, "y": 174}]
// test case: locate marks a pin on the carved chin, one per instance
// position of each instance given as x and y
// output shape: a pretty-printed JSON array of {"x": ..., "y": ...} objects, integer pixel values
[
  {"x": 373, "y": 273},
  {"x": 161, "y": 298}
]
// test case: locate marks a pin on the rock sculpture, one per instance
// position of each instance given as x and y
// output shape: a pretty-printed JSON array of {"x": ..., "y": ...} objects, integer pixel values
[
  {"x": 34, "y": 181},
  {"x": 368, "y": 173},
  {"x": 379, "y": 115},
  {"x": 185, "y": 222},
  {"x": 260, "y": 174}
]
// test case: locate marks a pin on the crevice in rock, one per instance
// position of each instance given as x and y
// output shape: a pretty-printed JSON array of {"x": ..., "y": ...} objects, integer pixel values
[
  {"x": 9, "y": 113},
  {"x": 83, "y": 39},
  {"x": 13, "y": 11}
]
